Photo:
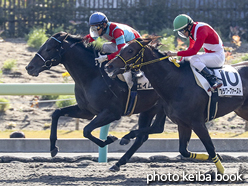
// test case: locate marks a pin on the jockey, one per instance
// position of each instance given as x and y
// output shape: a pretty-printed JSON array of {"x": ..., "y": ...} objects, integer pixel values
[
  {"x": 118, "y": 34},
  {"x": 201, "y": 35}
]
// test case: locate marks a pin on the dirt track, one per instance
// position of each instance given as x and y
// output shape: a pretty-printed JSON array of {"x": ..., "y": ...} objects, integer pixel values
[{"x": 84, "y": 170}]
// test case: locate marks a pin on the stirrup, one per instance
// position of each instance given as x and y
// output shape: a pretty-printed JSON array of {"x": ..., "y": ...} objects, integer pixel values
[{"x": 218, "y": 84}]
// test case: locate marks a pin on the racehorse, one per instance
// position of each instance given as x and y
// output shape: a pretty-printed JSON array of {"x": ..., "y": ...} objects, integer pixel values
[
  {"x": 96, "y": 94},
  {"x": 186, "y": 102}
]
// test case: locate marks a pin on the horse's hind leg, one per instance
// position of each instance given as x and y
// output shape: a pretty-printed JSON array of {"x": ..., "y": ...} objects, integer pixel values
[
  {"x": 145, "y": 120},
  {"x": 71, "y": 111},
  {"x": 157, "y": 126},
  {"x": 242, "y": 112},
  {"x": 202, "y": 132},
  {"x": 184, "y": 138}
]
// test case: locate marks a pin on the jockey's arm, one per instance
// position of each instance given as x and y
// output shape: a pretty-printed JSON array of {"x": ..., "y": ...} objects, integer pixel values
[
  {"x": 119, "y": 47},
  {"x": 119, "y": 39},
  {"x": 192, "y": 51},
  {"x": 88, "y": 38},
  {"x": 201, "y": 36}
]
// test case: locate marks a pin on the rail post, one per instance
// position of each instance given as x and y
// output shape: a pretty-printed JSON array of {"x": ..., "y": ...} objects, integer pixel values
[{"x": 102, "y": 152}]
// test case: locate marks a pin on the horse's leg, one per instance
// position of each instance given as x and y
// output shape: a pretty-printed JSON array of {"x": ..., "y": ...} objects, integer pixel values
[
  {"x": 184, "y": 138},
  {"x": 145, "y": 119},
  {"x": 103, "y": 118},
  {"x": 156, "y": 128},
  {"x": 202, "y": 132},
  {"x": 242, "y": 112},
  {"x": 71, "y": 111}
]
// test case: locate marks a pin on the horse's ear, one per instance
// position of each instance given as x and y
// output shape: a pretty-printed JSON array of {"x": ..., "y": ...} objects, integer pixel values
[
  {"x": 143, "y": 41},
  {"x": 148, "y": 39}
]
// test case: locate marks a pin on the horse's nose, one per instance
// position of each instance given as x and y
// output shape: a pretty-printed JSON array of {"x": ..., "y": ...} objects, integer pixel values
[{"x": 29, "y": 67}]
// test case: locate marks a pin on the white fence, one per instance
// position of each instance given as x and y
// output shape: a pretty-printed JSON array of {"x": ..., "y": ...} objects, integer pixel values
[{"x": 47, "y": 89}]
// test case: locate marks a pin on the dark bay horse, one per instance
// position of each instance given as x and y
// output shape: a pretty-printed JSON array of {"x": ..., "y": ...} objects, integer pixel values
[
  {"x": 96, "y": 94},
  {"x": 186, "y": 102}
]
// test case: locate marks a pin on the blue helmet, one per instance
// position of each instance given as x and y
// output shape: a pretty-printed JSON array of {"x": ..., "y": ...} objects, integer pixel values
[{"x": 98, "y": 18}]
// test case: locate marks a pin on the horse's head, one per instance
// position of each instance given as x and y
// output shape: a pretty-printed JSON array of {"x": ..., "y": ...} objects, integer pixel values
[
  {"x": 48, "y": 55},
  {"x": 131, "y": 54}
]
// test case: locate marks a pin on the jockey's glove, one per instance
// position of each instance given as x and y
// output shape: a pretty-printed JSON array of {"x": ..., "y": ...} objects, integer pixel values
[{"x": 101, "y": 58}]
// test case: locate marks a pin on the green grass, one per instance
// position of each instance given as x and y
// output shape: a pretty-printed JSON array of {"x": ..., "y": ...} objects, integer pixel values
[
  {"x": 36, "y": 38},
  {"x": 9, "y": 64},
  {"x": 4, "y": 104},
  {"x": 239, "y": 59},
  {"x": 66, "y": 100},
  {"x": 245, "y": 57}
]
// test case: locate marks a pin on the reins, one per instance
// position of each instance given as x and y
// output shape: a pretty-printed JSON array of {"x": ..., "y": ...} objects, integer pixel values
[
  {"x": 140, "y": 56},
  {"x": 102, "y": 75},
  {"x": 48, "y": 63}
]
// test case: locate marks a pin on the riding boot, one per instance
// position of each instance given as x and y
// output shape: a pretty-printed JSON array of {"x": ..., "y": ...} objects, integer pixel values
[{"x": 212, "y": 79}]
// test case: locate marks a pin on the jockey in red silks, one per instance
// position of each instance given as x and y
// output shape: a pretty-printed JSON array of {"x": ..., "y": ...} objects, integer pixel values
[
  {"x": 201, "y": 35},
  {"x": 118, "y": 34}
]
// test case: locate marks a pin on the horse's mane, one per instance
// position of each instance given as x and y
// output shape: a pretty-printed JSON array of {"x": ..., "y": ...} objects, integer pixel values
[
  {"x": 154, "y": 43},
  {"x": 81, "y": 41}
]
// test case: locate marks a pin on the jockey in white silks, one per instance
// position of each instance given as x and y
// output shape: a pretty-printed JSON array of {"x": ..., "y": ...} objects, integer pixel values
[{"x": 201, "y": 35}]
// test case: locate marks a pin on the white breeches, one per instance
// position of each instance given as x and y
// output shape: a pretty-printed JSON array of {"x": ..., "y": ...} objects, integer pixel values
[
  {"x": 201, "y": 61},
  {"x": 109, "y": 47}
]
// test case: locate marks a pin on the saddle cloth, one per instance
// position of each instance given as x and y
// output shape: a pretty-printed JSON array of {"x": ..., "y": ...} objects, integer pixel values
[
  {"x": 142, "y": 82},
  {"x": 232, "y": 84}
]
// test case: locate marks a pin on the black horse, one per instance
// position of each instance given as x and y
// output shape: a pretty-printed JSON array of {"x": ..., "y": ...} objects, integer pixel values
[
  {"x": 186, "y": 102},
  {"x": 96, "y": 94}
]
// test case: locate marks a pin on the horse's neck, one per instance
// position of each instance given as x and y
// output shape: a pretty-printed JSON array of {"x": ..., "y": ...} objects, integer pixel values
[
  {"x": 163, "y": 75},
  {"x": 164, "y": 69},
  {"x": 81, "y": 67}
]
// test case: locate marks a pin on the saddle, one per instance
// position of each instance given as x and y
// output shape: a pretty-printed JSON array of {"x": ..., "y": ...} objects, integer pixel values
[{"x": 232, "y": 86}]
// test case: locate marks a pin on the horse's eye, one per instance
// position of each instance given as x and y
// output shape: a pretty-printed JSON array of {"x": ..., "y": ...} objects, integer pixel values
[
  {"x": 130, "y": 50},
  {"x": 48, "y": 50}
]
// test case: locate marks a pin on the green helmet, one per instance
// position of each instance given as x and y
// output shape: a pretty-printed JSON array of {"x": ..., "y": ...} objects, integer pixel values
[{"x": 181, "y": 22}]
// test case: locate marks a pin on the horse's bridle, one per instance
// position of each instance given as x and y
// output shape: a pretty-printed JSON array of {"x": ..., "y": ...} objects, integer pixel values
[
  {"x": 140, "y": 56},
  {"x": 48, "y": 63}
]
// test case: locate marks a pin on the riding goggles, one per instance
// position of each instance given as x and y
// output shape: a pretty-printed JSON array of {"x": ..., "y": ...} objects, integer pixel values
[
  {"x": 182, "y": 32},
  {"x": 94, "y": 31}
]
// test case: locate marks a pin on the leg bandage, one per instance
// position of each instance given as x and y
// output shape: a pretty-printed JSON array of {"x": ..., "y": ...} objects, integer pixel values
[
  {"x": 199, "y": 156},
  {"x": 218, "y": 164}
]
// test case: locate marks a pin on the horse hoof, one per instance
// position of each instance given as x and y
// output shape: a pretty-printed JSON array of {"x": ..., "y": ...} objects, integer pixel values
[
  {"x": 55, "y": 151},
  {"x": 124, "y": 141},
  {"x": 114, "y": 168},
  {"x": 111, "y": 139}
]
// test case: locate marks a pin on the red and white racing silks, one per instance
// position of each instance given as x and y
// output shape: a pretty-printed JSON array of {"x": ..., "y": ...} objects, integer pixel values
[
  {"x": 203, "y": 36},
  {"x": 117, "y": 33}
]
